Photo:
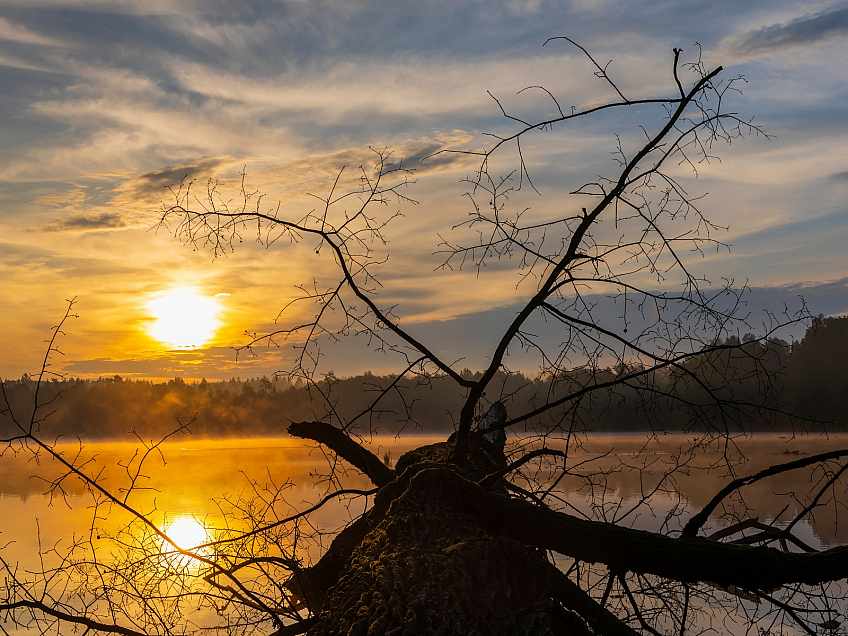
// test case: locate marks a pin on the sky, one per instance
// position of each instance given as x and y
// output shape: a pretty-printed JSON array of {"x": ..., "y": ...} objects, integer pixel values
[{"x": 106, "y": 104}]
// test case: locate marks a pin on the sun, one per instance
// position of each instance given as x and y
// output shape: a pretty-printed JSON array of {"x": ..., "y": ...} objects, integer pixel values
[
  {"x": 187, "y": 532},
  {"x": 184, "y": 318}
]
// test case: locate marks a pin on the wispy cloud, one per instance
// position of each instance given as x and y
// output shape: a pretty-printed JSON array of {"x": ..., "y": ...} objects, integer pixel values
[
  {"x": 807, "y": 29},
  {"x": 138, "y": 7},
  {"x": 86, "y": 222},
  {"x": 19, "y": 33},
  {"x": 114, "y": 119},
  {"x": 173, "y": 175},
  {"x": 354, "y": 91},
  {"x": 229, "y": 35},
  {"x": 16, "y": 62}
]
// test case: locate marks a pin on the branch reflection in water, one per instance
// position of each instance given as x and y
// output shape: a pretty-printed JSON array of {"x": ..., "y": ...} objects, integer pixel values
[{"x": 204, "y": 493}]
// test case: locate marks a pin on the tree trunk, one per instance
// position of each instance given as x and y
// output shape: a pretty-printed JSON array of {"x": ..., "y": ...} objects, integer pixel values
[
  {"x": 425, "y": 564},
  {"x": 439, "y": 553}
]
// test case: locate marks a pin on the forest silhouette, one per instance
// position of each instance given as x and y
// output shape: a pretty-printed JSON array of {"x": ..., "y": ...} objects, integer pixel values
[{"x": 812, "y": 386}]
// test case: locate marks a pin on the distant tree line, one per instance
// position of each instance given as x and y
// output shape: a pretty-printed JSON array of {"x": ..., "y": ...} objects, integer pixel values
[{"x": 813, "y": 388}]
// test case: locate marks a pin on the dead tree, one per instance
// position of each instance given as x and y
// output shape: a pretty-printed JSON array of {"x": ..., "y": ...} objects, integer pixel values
[{"x": 472, "y": 535}]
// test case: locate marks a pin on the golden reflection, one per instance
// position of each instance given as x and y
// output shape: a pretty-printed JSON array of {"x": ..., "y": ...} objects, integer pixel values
[
  {"x": 187, "y": 533},
  {"x": 184, "y": 318}
]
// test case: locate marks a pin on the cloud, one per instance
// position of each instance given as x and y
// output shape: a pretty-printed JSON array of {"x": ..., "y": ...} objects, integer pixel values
[
  {"x": 19, "y": 33},
  {"x": 155, "y": 180},
  {"x": 131, "y": 7},
  {"x": 17, "y": 63},
  {"x": 86, "y": 208},
  {"x": 355, "y": 90},
  {"x": 225, "y": 35},
  {"x": 808, "y": 29},
  {"x": 65, "y": 199},
  {"x": 118, "y": 119},
  {"x": 139, "y": 198},
  {"x": 429, "y": 156},
  {"x": 839, "y": 176},
  {"x": 279, "y": 179},
  {"x": 822, "y": 298},
  {"x": 12, "y": 255},
  {"x": 60, "y": 267},
  {"x": 86, "y": 222},
  {"x": 209, "y": 362}
]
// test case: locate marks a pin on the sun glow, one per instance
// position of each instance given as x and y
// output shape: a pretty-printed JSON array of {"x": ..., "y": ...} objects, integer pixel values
[
  {"x": 187, "y": 533},
  {"x": 184, "y": 318}
]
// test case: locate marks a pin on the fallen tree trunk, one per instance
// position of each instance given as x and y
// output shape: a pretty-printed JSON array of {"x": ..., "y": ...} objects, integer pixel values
[
  {"x": 428, "y": 566},
  {"x": 439, "y": 553},
  {"x": 421, "y": 561},
  {"x": 689, "y": 560}
]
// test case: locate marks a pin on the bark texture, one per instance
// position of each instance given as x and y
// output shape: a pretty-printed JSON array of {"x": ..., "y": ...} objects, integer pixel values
[{"x": 428, "y": 566}]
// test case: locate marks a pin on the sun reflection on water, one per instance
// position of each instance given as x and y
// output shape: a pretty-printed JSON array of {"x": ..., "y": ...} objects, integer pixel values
[{"x": 187, "y": 533}]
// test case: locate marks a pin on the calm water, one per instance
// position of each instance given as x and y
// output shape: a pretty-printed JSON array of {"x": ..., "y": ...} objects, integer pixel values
[
  {"x": 191, "y": 477},
  {"x": 196, "y": 479}
]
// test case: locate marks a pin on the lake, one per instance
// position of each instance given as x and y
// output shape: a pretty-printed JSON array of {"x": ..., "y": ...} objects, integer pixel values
[{"x": 615, "y": 478}]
